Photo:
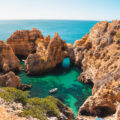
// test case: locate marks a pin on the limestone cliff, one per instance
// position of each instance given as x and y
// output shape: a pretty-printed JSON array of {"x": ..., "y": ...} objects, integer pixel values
[
  {"x": 99, "y": 55},
  {"x": 23, "y": 42},
  {"x": 105, "y": 103},
  {"x": 8, "y": 60},
  {"x": 49, "y": 53}
]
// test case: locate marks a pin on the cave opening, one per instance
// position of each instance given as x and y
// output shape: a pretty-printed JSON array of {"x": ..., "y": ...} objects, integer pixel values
[{"x": 66, "y": 63}]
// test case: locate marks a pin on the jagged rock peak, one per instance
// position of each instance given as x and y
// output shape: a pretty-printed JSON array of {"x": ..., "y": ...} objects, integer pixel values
[
  {"x": 56, "y": 37},
  {"x": 48, "y": 54}
]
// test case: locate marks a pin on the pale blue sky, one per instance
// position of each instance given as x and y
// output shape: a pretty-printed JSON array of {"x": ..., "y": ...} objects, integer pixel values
[{"x": 60, "y": 9}]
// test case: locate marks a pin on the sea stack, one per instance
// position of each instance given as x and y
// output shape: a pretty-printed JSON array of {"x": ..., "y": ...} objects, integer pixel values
[{"x": 49, "y": 53}]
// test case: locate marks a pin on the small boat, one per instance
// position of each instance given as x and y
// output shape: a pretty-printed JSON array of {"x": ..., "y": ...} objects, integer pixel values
[
  {"x": 23, "y": 60},
  {"x": 53, "y": 90}
]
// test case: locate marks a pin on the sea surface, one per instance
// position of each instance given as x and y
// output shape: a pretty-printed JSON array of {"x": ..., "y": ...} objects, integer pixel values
[{"x": 70, "y": 91}]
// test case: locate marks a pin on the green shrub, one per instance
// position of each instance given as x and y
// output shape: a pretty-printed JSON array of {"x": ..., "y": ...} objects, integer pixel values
[
  {"x": 36, "y": 107},
  {"x": 39, "y": 108},
  {"x": 36, "y": 112},
  {"x": 14, "y": 95},
  {"x": 118, "y": 35}
]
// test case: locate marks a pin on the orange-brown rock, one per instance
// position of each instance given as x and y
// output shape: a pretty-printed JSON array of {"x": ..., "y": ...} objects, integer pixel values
[
  {"x": 23, "y": 42},
  {"x": 99, "y": 55},
  {"x": 11, "y": 80},
  {"x": 49, "y": 53},
  {"x": 8, "y": 60},
  {"x": 105, "y": 103},
  {"x": 81, "y": 41}
]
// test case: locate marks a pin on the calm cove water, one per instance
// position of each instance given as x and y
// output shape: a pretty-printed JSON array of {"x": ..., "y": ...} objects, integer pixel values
[{"x": 70, "y": 91}]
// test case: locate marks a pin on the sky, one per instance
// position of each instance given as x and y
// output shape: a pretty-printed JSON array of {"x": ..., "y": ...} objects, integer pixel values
[{"x": 60, "y": 9}]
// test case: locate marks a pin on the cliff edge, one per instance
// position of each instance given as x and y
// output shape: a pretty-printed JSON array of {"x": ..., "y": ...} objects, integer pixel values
[{"x": 99, "y": 55}]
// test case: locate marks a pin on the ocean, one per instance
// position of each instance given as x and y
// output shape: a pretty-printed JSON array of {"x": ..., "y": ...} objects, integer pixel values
[{"x": 70, "y": 91}]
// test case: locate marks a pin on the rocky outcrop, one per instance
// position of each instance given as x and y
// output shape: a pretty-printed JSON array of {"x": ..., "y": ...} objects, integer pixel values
[
  {"x": 105, "y": 103},
  {"x": 11, "y": 80},
  {"x": 76, "y": 52},
  {"x": 99, "y": 56},
  {"x": 42, "y": 53},
  {"x": 8, "y": 60},
  {"x": 9, "y": 111},
  {"x": 49, "y": 53},
  {"x": 23, "y": 42},
  {"x": 65, "y": 112}
]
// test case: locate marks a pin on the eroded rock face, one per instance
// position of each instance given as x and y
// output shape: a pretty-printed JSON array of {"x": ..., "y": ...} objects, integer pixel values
[
  {"x": 10, "y": 111},
  {"x": 105, "y": 102},
  {"x": 23, "y": 42},
  {"x": 100, "y": 60},
  {"x": 49, "y": 53},
  {"x": 79, "y": 48},
  {"x": 42, "y": 53},
  {"x": 11, "y": 80},
  {"x": 8, "y": 60},
  {"x": 65, "y": 112}
]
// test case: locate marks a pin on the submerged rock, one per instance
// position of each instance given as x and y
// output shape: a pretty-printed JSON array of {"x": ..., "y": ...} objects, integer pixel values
[
  {"x": 49, "y": 53},
  {"x": 8, "y": 60}
]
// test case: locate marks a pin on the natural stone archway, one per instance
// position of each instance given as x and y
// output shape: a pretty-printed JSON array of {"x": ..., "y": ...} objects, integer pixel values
[
  {"x": 98, "y": 55},
  {"x": 42, "y": 53},
  {"x": 48, "y": 55}
]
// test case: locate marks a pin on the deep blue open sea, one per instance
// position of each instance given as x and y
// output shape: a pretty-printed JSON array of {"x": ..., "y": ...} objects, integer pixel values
[{"x": 70, "y": 91}]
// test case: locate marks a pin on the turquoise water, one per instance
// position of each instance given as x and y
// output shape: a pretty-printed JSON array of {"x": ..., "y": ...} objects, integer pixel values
[{"x": 70, "y": 91}]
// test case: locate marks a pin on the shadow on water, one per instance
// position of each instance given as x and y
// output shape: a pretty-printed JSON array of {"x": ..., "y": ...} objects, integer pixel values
[{"x": 70, "y": 91}]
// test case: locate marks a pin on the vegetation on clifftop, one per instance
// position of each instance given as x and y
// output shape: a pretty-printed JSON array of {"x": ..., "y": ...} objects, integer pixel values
[
  {"x": 10, "y": 94},
  {"x": 118, "y": 35},
  {"x": 40, "y": 108}
]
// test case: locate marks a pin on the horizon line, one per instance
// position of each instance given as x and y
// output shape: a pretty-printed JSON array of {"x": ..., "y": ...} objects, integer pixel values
[{"x": 64, "y": 19}]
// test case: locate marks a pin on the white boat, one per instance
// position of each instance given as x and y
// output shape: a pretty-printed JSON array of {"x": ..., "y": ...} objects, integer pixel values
[
  {"x": 53, "y": 90},
  {"x": 23, "y": 60}
]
